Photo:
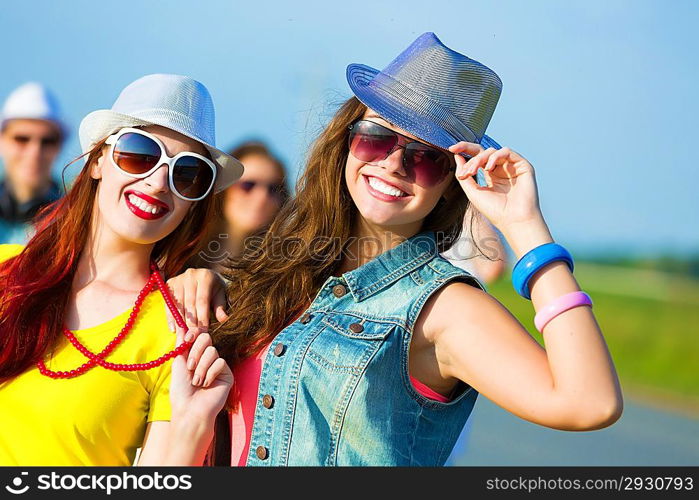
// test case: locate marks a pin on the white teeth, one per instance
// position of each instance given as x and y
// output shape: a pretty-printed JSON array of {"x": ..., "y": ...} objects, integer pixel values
[
  {"x": 143, "y": 205},
  {"x": 382, "y": 187}
]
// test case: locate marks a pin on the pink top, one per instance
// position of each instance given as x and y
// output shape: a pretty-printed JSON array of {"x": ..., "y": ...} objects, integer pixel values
[
  {"x": 246, "y": 384},
  {"x": 246, "y": 387}
]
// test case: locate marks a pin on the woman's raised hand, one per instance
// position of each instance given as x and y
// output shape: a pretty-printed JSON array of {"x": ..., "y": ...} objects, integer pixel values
[{"x": 511, "y": 196}]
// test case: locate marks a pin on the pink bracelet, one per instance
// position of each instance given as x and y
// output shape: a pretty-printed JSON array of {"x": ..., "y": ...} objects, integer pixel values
[{"x": 559, "y": 305}]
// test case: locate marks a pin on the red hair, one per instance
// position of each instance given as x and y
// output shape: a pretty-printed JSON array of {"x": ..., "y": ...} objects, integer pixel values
[{"x": 36, "y": 284}]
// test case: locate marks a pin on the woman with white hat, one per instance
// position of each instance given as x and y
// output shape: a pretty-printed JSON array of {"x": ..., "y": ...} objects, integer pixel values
[
  {"x": 353, "y": 341},
  {"x": 85, "y": 371}
]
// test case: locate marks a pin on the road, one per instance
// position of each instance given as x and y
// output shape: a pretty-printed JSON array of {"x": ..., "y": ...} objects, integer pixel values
[{"x": 642, "y": 436}]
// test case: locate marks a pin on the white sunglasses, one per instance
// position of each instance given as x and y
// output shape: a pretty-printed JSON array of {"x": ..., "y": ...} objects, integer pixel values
[{"x": 138, "y": 154}]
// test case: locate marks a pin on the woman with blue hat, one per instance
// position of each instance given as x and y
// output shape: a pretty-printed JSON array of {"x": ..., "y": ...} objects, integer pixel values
[
  {"x": 353, "y": 341},
  {"x": 89, "y": 369}
]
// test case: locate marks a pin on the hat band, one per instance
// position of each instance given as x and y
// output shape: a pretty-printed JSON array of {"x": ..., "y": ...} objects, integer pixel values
[
  {"x": 424, "y": 105},
  {"x": 175, "y": 121}
]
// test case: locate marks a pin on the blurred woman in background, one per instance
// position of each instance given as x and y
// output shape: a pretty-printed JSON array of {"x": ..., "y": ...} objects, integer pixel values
[{"x": 248, "y": 206}]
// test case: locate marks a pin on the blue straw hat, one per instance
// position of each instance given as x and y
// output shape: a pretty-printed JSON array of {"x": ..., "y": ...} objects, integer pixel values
[{"x": 438, "y": 95}]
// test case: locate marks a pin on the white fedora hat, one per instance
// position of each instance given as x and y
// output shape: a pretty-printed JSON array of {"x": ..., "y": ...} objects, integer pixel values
[{"x": 176, "y": 102}]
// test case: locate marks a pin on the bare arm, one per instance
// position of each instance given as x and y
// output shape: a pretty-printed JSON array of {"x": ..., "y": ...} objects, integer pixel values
[
  {"x": 182, "y": 442},
  {"x": 569, "y": 385}
]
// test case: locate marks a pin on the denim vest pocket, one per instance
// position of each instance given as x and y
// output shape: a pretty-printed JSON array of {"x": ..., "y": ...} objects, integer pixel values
[{"x": 347, "y": 342}]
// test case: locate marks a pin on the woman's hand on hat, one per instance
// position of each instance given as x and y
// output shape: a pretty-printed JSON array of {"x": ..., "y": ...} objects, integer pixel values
[
  {"x": 510, "y": 196},
  {"x": 196, "y": 292}
]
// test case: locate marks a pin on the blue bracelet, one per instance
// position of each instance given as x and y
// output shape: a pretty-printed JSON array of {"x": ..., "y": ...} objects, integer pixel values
[{"x": 533, "y": 261}]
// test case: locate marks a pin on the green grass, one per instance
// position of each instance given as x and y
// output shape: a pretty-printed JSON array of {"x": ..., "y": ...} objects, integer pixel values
[{"x": 650, "y": 323}]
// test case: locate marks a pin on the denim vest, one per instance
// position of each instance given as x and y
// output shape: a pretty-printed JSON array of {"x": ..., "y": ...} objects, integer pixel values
[{"x": 335, "y": 387}]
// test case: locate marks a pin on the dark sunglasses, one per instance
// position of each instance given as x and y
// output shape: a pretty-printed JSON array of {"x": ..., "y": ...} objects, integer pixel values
[
  {"x": 138, "y": 154},
  {"x": 273, "y": 190},
  {"x": 424, "y": 165},
  {"x": 46, "y": 142}
]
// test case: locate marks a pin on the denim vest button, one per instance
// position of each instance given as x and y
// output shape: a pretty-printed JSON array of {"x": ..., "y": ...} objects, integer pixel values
[
  {"x": 262, "y": 452},
  {"x": 339, "y": 291},
  {"x": 356, "y": 328},
  {"x": 267, "y": 401},
  {"x": 279, "y": 350},
  {"x": 305, "y": 318}
]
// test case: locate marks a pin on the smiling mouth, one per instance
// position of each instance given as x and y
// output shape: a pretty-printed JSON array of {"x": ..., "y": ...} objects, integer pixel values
[
  {"x": 380, "y": 187},
  {"x": 144, "y": 206}
]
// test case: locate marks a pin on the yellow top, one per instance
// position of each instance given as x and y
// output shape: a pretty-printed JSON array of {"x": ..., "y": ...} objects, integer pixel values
[{"x": 98, "y": 418}]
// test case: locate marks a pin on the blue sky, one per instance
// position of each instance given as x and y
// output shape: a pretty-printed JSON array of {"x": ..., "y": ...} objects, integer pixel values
[{"x": 599, "y": 95}]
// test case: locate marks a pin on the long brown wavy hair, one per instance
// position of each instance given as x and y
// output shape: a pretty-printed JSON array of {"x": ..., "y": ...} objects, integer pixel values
[
  {"x": 35, "y": 285},
  {"x": 266, "y": 292}
]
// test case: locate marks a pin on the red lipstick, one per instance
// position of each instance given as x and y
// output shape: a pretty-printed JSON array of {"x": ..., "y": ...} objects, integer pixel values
[{"x": 148, "y": 199}]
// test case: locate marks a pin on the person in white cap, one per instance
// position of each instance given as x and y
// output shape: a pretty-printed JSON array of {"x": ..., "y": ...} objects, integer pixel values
[
  {"x": 89, "y": 369},
  {"x": 31, "y": 135}
]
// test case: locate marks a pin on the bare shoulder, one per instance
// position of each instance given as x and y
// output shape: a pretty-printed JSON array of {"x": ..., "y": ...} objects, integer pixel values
[
  {"x": 459, "y": 303},
  {"x": 473, "y": 336},
  {"x": 463, "y": 293}
]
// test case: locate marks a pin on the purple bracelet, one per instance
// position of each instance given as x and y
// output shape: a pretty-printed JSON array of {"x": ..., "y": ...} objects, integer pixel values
[{"x": 559, "y": 305}]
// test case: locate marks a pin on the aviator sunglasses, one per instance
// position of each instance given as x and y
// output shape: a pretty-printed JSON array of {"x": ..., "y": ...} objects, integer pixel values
[
  {"x": 424, "y": 165},
  {"x": 138, "y": 154}
]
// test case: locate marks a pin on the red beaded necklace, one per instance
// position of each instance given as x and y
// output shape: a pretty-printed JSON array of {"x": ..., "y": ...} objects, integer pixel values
[{"x": 155, "y": 280}]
